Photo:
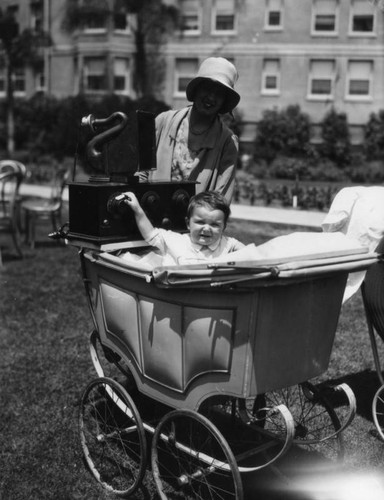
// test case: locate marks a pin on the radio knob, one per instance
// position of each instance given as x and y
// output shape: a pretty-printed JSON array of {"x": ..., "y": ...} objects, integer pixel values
[
  {"x": 179, "y": 204},
  {"x": 151, "y": 204}
]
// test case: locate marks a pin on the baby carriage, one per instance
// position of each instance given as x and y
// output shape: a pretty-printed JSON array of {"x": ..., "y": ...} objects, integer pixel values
[
  {"x": 358, "y": 212},
  {"x": 215, "y": 362},
  {"x": 373, "y": 299}
]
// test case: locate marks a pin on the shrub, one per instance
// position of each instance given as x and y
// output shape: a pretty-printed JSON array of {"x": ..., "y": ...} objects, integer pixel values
[
  {"x": 46, "y": 125},
  {"x": 374, "y": 136},
  {"x": 295, "y": 130},
  {"x": 371, "y": 172},
  {"x": 286, "y": 131},
  {"x": 328, "y": 171},
  {"x": 35, "y": 121},
  {"x": 284, "y": 167},
  {"x": 268, "y": 141},
  {"x": 336, "y": 138}
]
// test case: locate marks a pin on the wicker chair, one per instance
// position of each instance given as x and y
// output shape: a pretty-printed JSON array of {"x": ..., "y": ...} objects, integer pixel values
[
  {"x": 36, "y": 210},
  {"x": 15, "y": 166},
  {"x": 10, "y": 181}
]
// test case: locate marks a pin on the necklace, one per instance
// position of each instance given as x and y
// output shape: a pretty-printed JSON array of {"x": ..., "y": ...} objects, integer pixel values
[{"x": 195, "y": 132}]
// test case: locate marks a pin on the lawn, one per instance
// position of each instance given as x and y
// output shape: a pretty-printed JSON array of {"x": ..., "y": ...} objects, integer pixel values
[{"x": 45, "y": 366}]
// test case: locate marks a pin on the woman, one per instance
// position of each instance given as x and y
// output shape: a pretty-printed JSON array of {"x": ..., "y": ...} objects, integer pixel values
[{"x": 193, "y": 143}]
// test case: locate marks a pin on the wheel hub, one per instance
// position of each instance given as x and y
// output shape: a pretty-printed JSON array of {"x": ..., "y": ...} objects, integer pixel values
[{"x": 301, "y": 431}]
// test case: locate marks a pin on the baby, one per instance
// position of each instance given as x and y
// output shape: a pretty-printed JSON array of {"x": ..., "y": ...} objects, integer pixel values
[{"x": 207, "y": 217}]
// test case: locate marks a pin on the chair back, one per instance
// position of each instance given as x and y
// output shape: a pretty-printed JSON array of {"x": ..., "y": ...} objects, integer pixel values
[
  {"x": 59, "y": 182},
  {"x": 9, "y": 190},
  {"x": 13, "y": 166},
  {"x": 373, "y": 293}
]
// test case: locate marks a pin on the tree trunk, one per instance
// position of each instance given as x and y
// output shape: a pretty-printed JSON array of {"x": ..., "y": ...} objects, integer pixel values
[
  {"x": 10, "y": 109},
  {"x": 141, "y": 61}
]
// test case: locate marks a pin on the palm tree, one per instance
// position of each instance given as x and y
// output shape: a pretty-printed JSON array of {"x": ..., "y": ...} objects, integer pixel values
[
  {"x": 150, "y": 22},
  {"x": 18, "y": 50}
]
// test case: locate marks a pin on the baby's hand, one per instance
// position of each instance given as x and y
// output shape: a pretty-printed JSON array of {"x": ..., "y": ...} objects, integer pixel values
[{"x": 131, "y": 200}]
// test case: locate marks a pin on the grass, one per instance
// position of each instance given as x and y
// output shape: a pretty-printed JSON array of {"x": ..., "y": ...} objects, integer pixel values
[{"x": 45, "y": 366}]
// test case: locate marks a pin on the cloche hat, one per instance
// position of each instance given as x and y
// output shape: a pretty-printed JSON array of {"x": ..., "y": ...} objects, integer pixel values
[{"x": 221, "y": 71}]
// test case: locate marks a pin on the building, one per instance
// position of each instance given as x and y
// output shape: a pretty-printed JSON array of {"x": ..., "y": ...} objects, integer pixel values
[{"x": 315, "y": 53}]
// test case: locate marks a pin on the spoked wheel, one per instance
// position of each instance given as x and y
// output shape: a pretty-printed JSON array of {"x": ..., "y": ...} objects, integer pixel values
[
  {"x": 112, "y": 436},
  {"x": 378, "y": 411},
  {"x": 192, "y": 460},
  {"x": 257, "y": 439},
  {"x": 317, "y": 426}
]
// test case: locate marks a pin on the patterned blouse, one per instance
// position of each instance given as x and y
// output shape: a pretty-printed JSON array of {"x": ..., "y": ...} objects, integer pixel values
[{"x": 184, "y": 159}]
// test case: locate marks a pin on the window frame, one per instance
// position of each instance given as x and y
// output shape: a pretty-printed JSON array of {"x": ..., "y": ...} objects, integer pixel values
[
  {"x": 198, "y": 14},
  {"x": 181, "y": 93},
  {"x": 127, "y": 30},
  {"x": 40, "y": 79},
  {"x": 36, "y": 17},
  {"x": 214, "y": 30},
  {"x": 360, "y": 34},
  {"x": 320, "y": 33},
  {"x": 265, "y": 74},
  {"x": 268, "y": 10},
  {"x": 127, "y": 76},
  {"x": 359, "y": 97},
  {"x": 90, "y": 30},
  {"x": 3, "y": 79},
  {"x": 311, "y": 77},
  {"x": 88, "y": 90}
]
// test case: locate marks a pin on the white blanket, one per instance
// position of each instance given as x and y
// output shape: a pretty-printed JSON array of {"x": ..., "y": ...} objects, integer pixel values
[
  {"x": 294, "y": 246},
  {"x": 357, "y": 212}
]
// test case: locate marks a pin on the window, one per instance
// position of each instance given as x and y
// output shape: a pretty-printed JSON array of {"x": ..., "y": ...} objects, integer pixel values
[
  {"x": 2, "y": 81},
  {"x": 325, "y": 17},
  {"x": 121, "y": 75},
  {"x": 321, "y": 79},
  {"x": 95, "y": 74},
  {"x": 362, "y": 18},
  {"x": 13, "y": 10},
  {"x": 37, "y": 16},
  {"x": 224, "y": 16},
  {"x": 359, "y": 79},
  {"x": 190, "y": 17},
  {"x": 95, "y": 21},
  {"x": 19, "y": 81},
  {"x": 40, "y": 77},
  {"x": 274, "y": 15},
  {"x": 120, "y": 21},
  {"x": 186, "y": 69},
  {"x": 40, "y": 82},
  {"x": 271, "y": 77}
]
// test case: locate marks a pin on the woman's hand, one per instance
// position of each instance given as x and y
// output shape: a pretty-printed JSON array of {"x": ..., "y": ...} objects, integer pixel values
[{"x": 142, "y": 175}]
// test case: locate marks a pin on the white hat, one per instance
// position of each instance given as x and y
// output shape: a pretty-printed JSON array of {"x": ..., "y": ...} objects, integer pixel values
[{"x": 221, "y": 71}]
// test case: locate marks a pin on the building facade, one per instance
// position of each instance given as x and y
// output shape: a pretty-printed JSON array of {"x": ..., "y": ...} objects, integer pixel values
[{"x": 317, "y": 54}]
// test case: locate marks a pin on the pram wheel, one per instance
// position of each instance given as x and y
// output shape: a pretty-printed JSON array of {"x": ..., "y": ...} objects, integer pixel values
[
  {"x": 257, "y": 440},
  {"x": 378, "y": 411},
  {"x": 192, "y": 460},
  {"x": 112, "y": 436},
  {"x": 317, "y": 426}
]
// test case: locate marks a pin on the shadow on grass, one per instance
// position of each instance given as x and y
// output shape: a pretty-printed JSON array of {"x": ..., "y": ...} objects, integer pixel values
[{"x": 364, "y": 385}]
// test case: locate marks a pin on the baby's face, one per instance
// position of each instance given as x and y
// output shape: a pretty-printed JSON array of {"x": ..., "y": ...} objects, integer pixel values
[{"x": 206, "y": 225}]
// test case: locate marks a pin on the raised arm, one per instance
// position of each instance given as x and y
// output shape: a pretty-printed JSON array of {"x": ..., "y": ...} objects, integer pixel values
[{"x": 143, "y": 223}]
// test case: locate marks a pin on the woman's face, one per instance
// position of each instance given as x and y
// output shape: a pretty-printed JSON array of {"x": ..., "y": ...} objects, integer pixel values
[
  {"x": 209, "y": 98},
  {"x": 206, "y": 225}
]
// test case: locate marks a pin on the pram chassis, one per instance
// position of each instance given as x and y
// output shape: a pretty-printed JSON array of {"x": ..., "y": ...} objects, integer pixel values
[{"x": 196, "y": 347}]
